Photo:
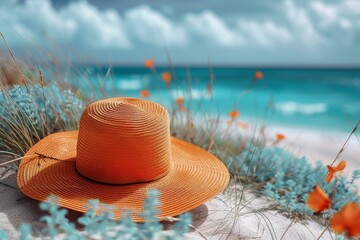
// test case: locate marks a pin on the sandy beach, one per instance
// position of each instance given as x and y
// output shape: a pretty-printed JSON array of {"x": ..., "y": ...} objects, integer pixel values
[
  {"x": 218, "y": 218},
  {"x": 322, "y": 146},
  {"x": 271, "y": 89}
]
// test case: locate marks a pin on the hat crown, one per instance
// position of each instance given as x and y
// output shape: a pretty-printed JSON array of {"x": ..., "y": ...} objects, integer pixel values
[{"x": 124, "y": 140}]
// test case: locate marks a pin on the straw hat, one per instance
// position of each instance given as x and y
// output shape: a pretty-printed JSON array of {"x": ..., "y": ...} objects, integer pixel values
[{"x": 122, "y": 150}]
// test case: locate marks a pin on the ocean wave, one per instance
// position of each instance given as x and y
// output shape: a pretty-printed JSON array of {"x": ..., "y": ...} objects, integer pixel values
[
  {"x": 349, "y": 83},
  {"x": 193, "y": 94},
  {"x": 130, "y": 84},
  {"x": 352, "y": 109},
  {"x": 289, "y": 108}
]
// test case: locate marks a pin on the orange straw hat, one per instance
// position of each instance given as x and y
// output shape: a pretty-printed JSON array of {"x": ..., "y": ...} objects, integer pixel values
[{"x": 122, "y": 150}]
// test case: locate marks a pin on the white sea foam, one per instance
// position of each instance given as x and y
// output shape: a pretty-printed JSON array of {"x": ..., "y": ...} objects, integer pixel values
[
  {"x": 289, "y": 108},
  {"x": 130, "y": 84},
  {"x": 193, "y": 94},
  {"x": 349, "y": 83}
]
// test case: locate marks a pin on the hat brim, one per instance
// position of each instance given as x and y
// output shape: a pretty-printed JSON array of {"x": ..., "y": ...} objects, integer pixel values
[{"x": 49, "y": 168}]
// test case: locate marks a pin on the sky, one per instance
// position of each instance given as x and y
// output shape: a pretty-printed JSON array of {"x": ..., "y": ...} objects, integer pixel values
[{"x": 271, "y": 32}]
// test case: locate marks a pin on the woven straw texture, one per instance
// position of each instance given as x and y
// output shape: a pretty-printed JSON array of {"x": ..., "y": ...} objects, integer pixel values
[{"x": 122, "y": 150}]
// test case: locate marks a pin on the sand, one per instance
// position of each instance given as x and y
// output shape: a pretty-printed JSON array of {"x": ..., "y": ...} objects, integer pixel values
[
  {"x": 223, "y": 218},
  {"x": 219, "y": 218},
  {"x": 322, "y": 146}
]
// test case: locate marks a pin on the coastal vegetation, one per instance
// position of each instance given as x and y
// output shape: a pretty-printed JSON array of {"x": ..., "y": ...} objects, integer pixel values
[{"x": 34, "y": 104}]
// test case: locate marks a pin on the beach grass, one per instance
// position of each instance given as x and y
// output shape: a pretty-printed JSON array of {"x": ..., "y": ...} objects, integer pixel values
[{"x": 44, "y": 104}]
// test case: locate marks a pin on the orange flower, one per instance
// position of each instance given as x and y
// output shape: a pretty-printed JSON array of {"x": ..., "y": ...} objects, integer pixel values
[
  {"x": 239, "y": 124},
  {"x": 318, "y": 201},
  {"x": 243, "y": 125},
  {"x": 258, "y": 75},
  {"x": 332, "y": 170},
  {"x": 149, "y": 63},
  {"x": 182, "y": 108},
  {"x": 179, "y": 101},
  {"x": 347, "y": 220},
  {"x": 145, "y": 93},
  {"x": 166, "y": 77},
  {"x": 280, "y": 137},
  {"x": 234, "y": 114}
]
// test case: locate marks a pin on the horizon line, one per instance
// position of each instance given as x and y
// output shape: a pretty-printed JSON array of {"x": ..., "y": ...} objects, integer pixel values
[{"x": 229, "y": 65}]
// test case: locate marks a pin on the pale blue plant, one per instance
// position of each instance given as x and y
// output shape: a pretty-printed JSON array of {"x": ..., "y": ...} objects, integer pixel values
[
  {"x": 104, "y": 226},
  {"x": 289, "y": 179},
  {"x": 182, "y": 226},
  {"x": 340, "y": 237},
  {"x": 29, "y": 114},
  {"x": 57, "y": 222},
  {"x": 25, "y": 232},
  {"x": 151, "y": 226},
  {"x": 355, "y": 175}
]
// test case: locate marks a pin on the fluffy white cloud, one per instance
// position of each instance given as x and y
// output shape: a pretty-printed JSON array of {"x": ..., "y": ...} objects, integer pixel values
[
  {"x": 99, "y": 29},
  {"x": 328, "y": 13},
  {"x": 211, "y": 28},
  {"x": 340, "y": 21},
  {"x": 301, "y": 23},
  {"x": 150, "y": 26},
  {"x": 265, "y": 34},
  {"x": 83, "y": 26},
  {"x": 78, "y": 24},
  {"x": 339, "y": 13},
  {"x": 352, "y": 5}
]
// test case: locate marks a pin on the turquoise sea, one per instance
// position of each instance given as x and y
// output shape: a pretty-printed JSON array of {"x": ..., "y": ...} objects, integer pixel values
[{"x": 322, "y": 99}]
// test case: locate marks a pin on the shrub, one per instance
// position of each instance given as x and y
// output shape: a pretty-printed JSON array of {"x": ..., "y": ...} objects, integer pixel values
[
  {"x": 288, "y": 179},
  {"x": 29, "y": 114},
  {"x": 103, "y": 226}
]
